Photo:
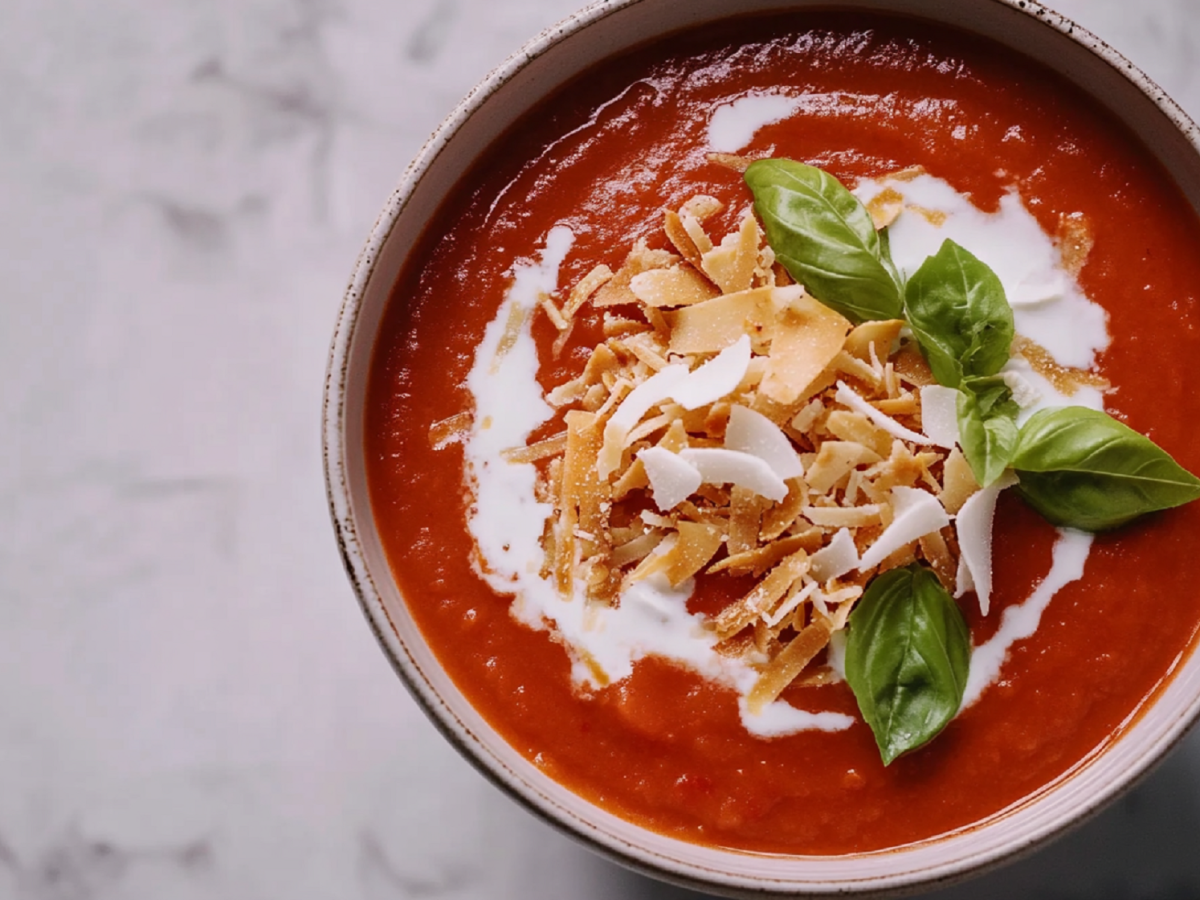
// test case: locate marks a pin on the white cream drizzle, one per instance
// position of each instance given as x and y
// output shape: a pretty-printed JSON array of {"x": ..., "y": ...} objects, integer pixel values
[
  {"x": 1048, "y": 305},
  {"x": 651, "y": 617},
  {"x": 1049, "y": 308},
  {"x": 733, "y": 125},
  {"x": 1019, "y": 622}
]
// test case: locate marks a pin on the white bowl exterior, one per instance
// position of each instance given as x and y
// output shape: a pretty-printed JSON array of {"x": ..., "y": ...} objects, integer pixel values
[{"x": 518, "y": 85}]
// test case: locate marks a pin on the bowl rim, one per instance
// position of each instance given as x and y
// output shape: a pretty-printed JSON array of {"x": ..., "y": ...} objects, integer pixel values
[{"x": 337, "y": 481}]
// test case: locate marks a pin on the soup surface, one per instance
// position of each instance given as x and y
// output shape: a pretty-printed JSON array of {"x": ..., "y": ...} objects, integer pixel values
[{"x": 665, "y": 747}]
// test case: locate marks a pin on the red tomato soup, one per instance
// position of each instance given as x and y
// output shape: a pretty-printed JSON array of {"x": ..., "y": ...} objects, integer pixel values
[{"x": 664, "y": 747}]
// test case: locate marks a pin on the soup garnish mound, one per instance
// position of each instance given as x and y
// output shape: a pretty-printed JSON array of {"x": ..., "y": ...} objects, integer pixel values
[
  {"x": 788, "y": 517},
  {"x": 731, "y": 423}
]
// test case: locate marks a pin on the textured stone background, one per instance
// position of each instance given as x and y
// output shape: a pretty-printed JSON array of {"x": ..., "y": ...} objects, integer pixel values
[{"x": 190, "y": 703}]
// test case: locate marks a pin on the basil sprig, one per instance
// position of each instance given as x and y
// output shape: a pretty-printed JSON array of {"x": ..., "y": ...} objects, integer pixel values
[
  {"x": 825, "y": 238},
  {"x": 908, "y": 648},
  {"x": 987, "y": 426},
  {"x": 1082, "y": 468},
  {"x": 907, "y": 657},
  {"x": 959, "y": 313}
]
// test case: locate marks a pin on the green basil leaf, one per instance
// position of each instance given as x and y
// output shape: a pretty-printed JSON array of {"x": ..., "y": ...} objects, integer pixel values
[
  {"x": 987, "y": 426},
  {"x": 1083, "y": 469},
  {"x": 960, "y": 315},
  {"x": 824, "y": 237},
  {"x": 907, "y": 655}
]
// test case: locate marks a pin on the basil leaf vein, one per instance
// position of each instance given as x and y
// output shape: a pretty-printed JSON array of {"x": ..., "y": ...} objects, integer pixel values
[
  {"x": 1081, "y": 468},
  {"x": 960, "y": 315},
  {"x": 987, "y": 426},
  {"x": 907, "y": 656},
  {"x": 825, "y": 238}
]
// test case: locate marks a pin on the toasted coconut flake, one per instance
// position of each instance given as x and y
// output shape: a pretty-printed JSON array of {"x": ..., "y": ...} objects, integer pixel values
[
  {"x": 646, "y": 395},
  {"x": 619, "y": 390},
  {"x": 602, "y": 361},
  {"x": 696, "y": 545},
  {"x": 844, "y": 517},
  {"x": 754, "y": 433},
  {"x": 765, "y": 595},
  {"x": 885, "y": 206},
  {"x": 672, "y": 478},
  {"x": 551, "y": 446},
  {"x": 898, "y": 558},
  {"x": 973, "y": 526},
  {"x": 732, "y": 264},
  {"x": 716, "y": 423},
  {"x": 449, "y": 431},
  {"x": 721, "y": 466},
  {"x": 779, "y": 518},
  {"x": 857, "y": 428},
  {"x": 937, "y": 553},
  {"x": 903, "y": 405},
  {"x": 717, "y": 378},
  {"x": 836, "y": 558},
  {"x": 636, "y": 549},
  {"x": 847, "y": 397},
  {"x": 616, "y": 290},
  {"x": 620, "y": 326},
  {"x": 915, "y": 514},
  {"x": 715, "y": 324},
  {"x": 581, "y": 495},
  {"x": 856, "y": 368},
  {"x": 845, "y": 598},
  {"x": 595, "y": 397},
  {"x": 567, "y": 393},
  {"x": 760, "y": 559},
  {"x": 649, "y": 427},
  {"x": 804, "y": 420},
  {"x": 784, "y": 668},
  {"x": 691, "y": 224},
  {"x": 634, "y": 478},
  {"x": 796, "y": 595},
  {"x": 807, "y": 337},
  {"x": 834, "y": 460},
  {"x": 646, "y": 347},
  {"x": 679, "y": 236},
  {"x": 560, "y": 342},
  {"x": 939, "y": 415},
  {"x": 745, "y": 514},
  {"x": 675, "y": 438},
  {"x": 676, "y": 286},
  {"x": 958, "y": 482},
  {"x": 900, "y": 468},
  {"x": 588, "y": 285}
]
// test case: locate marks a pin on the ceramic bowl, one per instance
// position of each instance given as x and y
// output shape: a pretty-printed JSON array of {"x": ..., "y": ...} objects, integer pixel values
[{"x": 549, "y": 60}]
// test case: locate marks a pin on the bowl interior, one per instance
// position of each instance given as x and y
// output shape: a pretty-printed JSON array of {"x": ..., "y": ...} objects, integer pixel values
[{"x": 520, "y": 84}]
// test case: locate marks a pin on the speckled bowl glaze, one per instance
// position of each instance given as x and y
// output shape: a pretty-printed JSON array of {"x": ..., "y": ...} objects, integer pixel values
[{"x": 553, "y": 57}]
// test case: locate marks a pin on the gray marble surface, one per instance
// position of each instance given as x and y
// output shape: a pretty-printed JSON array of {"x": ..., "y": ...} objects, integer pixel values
[{"x": 191, "y": 705}]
